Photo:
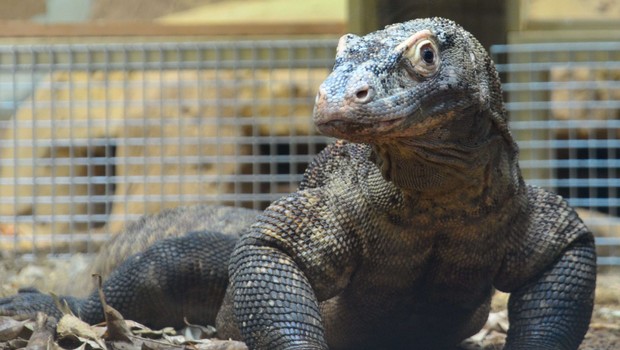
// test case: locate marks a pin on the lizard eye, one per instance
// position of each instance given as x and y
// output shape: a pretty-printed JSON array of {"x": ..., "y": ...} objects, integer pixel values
[
  {"x": 424, "y": 58},
  {"x": 428, "y": 54}
]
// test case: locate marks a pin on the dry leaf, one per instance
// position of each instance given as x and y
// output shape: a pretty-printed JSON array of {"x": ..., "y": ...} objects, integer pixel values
[
  {"x": 117, "y": 328},
  {"x": 175, "y": 339},
  {"x": 214, "y": 344},
  {"x": 72, "y": 327},
  {"x": 195, "y": 332},
  {"x": 145, "y": 343},
  {"x": 18, "y": 343},
  {"x": 493, "y": 332},
  {"x": 61, "y": 305},
  {"x": 43, "y": 336},
  {"x": 144, "y": 331},
  {"x": 10, "y": 328}
]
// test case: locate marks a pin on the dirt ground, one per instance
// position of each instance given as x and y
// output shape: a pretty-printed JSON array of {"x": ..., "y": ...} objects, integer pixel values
[
  {"x": 604, "y": 330},
  {"x": 604, "y": 333}
]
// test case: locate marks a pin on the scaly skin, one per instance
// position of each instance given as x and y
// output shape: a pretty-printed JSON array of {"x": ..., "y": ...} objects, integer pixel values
[{"x": 397, "y": 236}]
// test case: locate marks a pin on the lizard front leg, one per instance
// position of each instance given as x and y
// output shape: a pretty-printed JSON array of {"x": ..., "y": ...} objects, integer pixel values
[
  {"x": 275, "y": 306},
  {"x": 297, "y": 254},
  {"x": 554, "y": 310}
]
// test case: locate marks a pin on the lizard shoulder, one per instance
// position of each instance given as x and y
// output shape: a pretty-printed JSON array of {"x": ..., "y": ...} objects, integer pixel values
[
  {"x": 550, "y": 227},
  {"x": 333, "y": 160},
  {"x": 314, "y": 230},
  {"x": 317, "y": 227}
]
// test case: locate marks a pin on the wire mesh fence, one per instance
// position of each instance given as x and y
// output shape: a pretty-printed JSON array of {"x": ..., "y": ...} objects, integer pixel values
[
  {"x": 97, "y": 135},
  {"x": 564, "y": 104},
  {"x": 94, "y": 136}
]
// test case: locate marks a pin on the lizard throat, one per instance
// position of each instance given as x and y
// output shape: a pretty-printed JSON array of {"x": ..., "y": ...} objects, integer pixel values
[{"x": 424, "y": 167}]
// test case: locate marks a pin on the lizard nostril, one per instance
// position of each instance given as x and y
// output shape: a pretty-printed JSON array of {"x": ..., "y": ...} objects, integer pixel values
[{"x": 363, "y": 94}]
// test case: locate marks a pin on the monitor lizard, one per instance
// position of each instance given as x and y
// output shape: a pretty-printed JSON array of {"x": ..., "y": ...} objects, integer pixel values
[{"x": 399, "y": 232}]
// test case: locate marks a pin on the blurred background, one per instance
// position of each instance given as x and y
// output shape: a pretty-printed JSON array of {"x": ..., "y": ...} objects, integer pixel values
[{"x": 111, "y": 109}]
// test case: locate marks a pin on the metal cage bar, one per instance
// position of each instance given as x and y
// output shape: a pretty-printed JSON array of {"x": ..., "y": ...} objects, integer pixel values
[
  {"x": 94, "y": 136},
  {"x": 564, "y": 104}
]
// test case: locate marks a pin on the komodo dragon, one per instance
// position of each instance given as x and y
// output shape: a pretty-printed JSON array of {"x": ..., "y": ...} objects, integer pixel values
[{"x": 396, "y": 237}]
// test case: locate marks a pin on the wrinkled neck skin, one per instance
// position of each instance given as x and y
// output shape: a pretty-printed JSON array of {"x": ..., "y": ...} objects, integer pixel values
[{"x": 462, "y": 158}]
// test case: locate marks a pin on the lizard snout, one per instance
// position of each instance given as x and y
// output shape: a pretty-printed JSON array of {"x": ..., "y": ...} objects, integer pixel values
[
  {"x": 360, "y": 94},
  {"x": 320, "y": 103}
]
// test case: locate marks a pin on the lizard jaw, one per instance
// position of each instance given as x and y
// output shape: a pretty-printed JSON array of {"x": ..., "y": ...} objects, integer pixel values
[{"x": 355, "y": 131}]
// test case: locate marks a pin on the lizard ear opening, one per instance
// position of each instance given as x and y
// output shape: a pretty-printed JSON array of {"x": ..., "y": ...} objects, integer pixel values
[{"x": 422, "y": 52}]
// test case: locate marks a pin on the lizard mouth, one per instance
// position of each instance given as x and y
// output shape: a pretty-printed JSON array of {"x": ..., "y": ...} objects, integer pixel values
[{"x": 355, "y": 131}]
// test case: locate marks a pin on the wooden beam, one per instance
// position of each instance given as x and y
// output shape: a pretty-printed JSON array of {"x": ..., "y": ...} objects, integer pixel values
[
  {"x": 138, "y": 28},
  {"x": 363, "y": 16}
]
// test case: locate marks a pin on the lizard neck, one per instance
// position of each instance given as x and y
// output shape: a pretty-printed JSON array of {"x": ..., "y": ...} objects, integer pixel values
[{"x": 477, "y": 159}]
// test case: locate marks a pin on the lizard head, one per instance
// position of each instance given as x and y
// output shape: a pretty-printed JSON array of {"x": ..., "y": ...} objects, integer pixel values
[
  {"x": 396, "y": 81},
  {"x": 426, "y": 84}
]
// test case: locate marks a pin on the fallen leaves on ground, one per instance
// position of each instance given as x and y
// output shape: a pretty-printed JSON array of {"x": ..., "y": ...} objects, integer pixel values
[
  {"x": 73, "y": 333},
  {"x": 115, "y": 333}
]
